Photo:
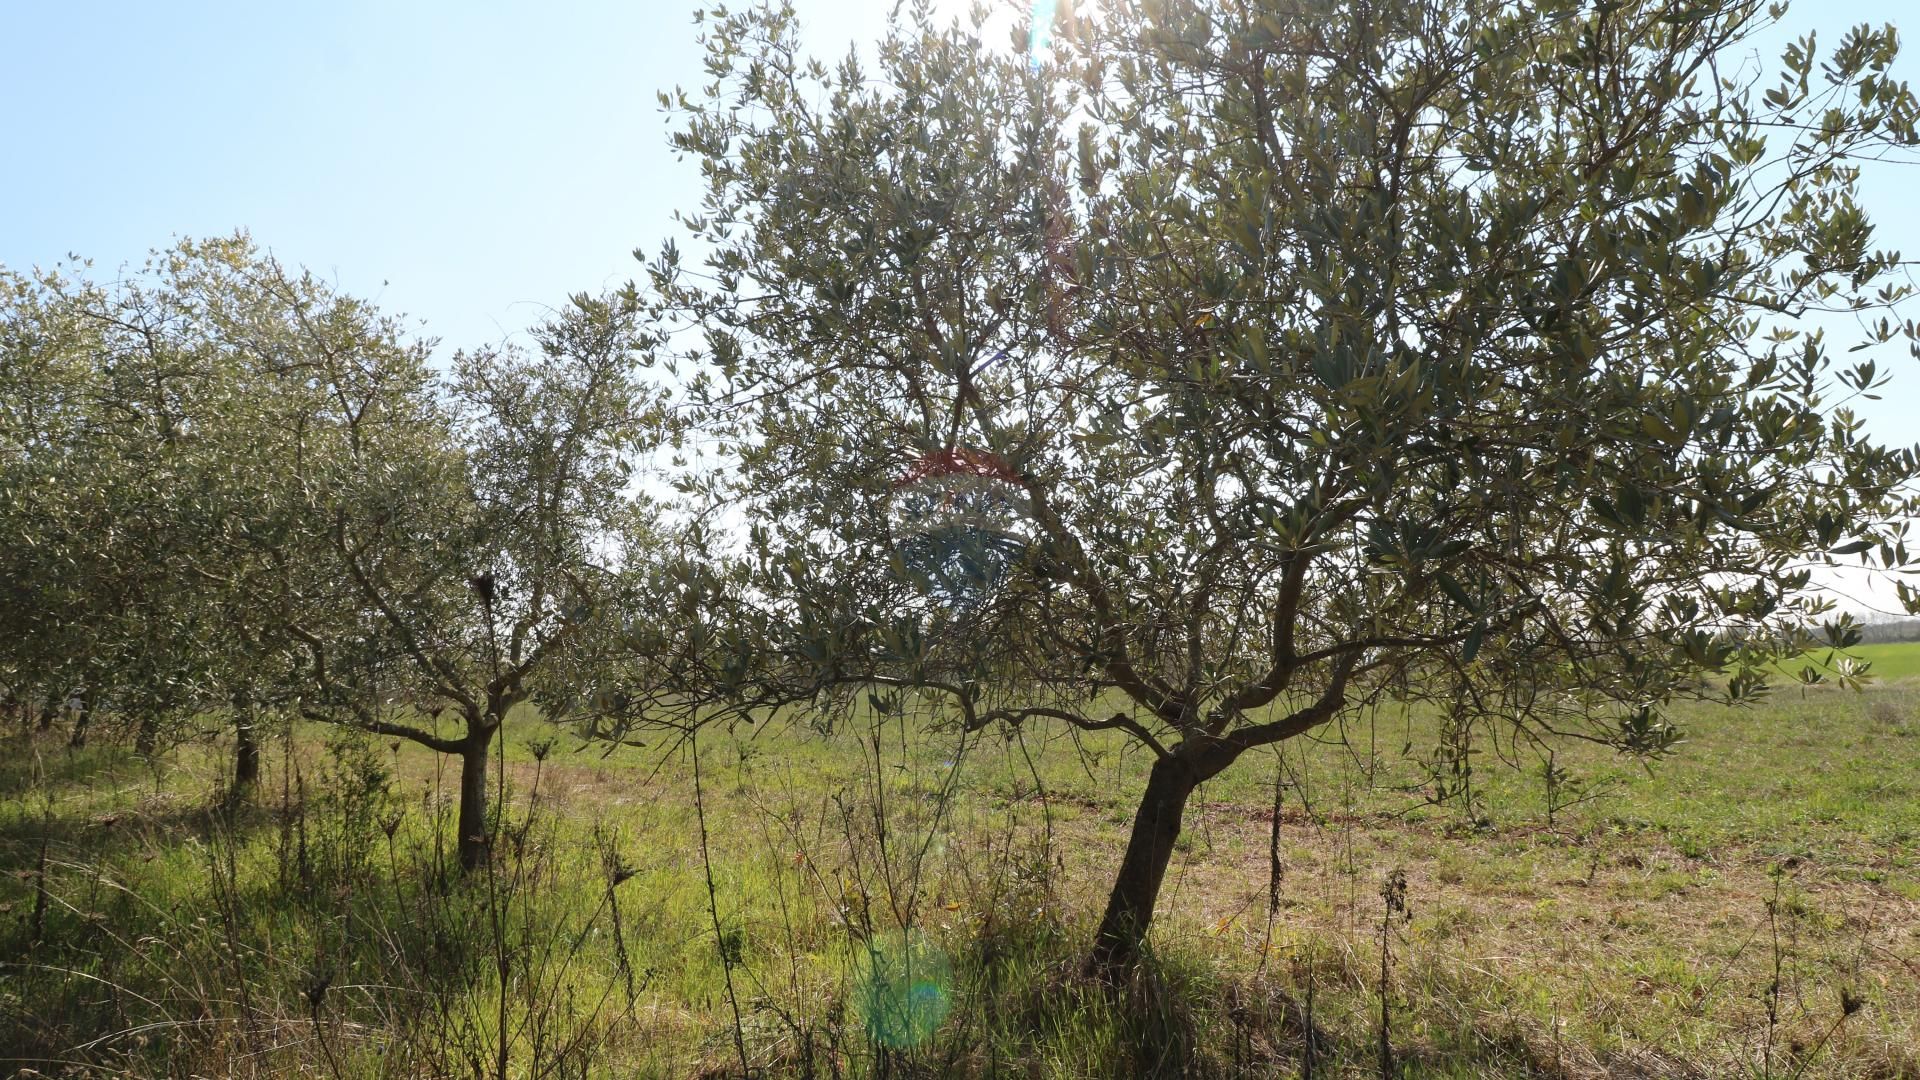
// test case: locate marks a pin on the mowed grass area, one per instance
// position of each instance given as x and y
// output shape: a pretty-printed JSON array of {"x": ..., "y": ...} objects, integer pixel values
[
  {"x": 1890, "y": 662},
  {"x": 1647, "y": 927},
  {"x": 1897, "y": 660}
]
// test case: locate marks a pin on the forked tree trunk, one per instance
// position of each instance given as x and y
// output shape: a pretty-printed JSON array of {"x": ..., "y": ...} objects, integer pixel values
[
  {"x": 1156, "y": 825},
  {"x": 473, "y": 796}
]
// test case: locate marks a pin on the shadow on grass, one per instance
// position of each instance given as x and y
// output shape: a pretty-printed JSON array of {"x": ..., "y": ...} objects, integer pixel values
[
  {"x": 1023, "y": 1000},
  {"x": 31, "y": 764},
  {"x": 212, "y": 918},
  {"x": 53, "y": 802}
]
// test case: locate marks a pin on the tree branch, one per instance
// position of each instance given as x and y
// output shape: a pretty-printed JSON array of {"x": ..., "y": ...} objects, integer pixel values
[{"x": 1118, "y": 721}]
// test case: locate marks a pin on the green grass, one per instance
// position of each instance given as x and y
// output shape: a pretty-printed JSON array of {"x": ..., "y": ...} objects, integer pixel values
[
  {"x": 1895, "y": 660},
  {"x": 1889, "y": 662},
  {"x": 1635, "y": 933}
]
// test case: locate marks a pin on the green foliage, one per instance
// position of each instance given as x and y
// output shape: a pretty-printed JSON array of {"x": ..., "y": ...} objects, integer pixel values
[
  {"x": 221, "y": 480},
  {"x": 1444, "y": 348},
  {"x": 1331, "y": 352}
]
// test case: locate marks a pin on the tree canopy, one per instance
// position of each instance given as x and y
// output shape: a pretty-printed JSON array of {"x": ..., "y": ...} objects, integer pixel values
[{"x": 1336, "y": 352}]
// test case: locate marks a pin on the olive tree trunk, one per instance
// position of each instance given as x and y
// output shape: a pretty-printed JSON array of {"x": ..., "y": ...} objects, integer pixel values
[
  {"x": 473, "y": 796},
  {"x": 81, "y": 721},
  {"x": 1118, "y": 944},
  {"x": 146, "y": 740},
  {"x": 246, "y": 745}
]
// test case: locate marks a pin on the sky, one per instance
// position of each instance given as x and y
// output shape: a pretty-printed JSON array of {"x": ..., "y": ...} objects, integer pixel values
[{"x": 470, "y": 163}]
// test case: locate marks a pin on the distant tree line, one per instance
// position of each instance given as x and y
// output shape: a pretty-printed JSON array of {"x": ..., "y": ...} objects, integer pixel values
[{"x": 1884, "y": 630}]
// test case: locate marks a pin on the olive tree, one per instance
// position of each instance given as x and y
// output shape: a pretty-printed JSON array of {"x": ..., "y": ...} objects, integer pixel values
[
  {"x": 1320, "y": 351},
  {"x": 166, "y": 428},
  {"x": 48, "y": 397},
  {"x": 112, "y": 402},
  {"x": 467, "y": 528},
  {"x": 228, "y": 484}
]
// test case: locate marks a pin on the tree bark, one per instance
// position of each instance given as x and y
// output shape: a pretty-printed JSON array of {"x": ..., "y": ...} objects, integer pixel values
[
  {"x": 246, "y": 749},
  {"x": 80, "y": 722},
  {"x": 147, "y": 739},
  {"x": 473, "y": 797},
  {"x": 1156, "y": 825}
]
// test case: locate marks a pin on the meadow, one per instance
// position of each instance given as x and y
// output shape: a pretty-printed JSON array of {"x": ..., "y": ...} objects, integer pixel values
[
  {"x": 892, "y": 898},
  {"x": 1890, "y": 661}
]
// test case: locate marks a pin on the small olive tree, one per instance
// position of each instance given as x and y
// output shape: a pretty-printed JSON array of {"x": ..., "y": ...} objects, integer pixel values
[
  {"x": 463, "y": 533},
  {"x": 119, "y": 410},
  {"x": 1322, "y": 350}
]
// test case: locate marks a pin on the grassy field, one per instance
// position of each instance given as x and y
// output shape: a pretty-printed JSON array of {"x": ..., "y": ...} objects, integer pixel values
[
  {"x": 1899, "y": 660},
  {"x": 1890, "y": 662},
  {"x": 890, "y": 900}
]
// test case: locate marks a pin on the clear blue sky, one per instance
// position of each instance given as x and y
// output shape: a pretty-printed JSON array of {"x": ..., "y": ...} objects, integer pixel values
[
  {"x": 484, "y": 159},
  {"x": 467, "y": 163}
]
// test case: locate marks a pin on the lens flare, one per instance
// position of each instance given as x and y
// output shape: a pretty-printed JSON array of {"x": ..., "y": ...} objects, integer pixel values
[
  {"x": 902, "y": 988},
  {"x": 1040, "y": 32}
]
